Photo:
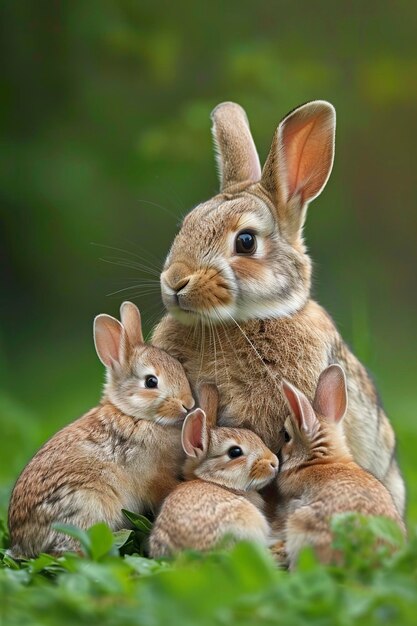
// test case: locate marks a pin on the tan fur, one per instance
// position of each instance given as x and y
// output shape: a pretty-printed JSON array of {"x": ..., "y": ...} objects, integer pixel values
[
  {"x": 199, "y": 516},
  {"x": 247, "y": 321},
  {"x": 219, "y": 502},
  {"x": 108, "y": 459},
  {"x": 318, "y": 478}
]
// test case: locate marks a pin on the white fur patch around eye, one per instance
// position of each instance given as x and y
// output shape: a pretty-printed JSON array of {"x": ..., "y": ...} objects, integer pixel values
[
  {"x": 251, "y": 222},
  {"x": 141, "y": 371}
]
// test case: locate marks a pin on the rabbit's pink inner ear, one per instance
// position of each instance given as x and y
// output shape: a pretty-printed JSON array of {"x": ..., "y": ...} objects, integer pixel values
[
  {"x": 300, "y": 407},
  {"x": 108, "y": 333},
  {"x": 131, "y": 320},
  {"x": 300, "y": 161},
  {"x": 307, "y": 149},
  {"x": 236, "y": 155},
  {"x": 331, "y": 395},
  {"x": 194, "y": 434}
]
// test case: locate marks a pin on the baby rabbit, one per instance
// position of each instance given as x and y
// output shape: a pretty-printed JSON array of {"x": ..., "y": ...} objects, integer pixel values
[
  {"x": 125, "y": 453},
  {"x": 318, "y": 476},
  {"x": 224, "y": 470},
  {"x": 238, "y": 273}
]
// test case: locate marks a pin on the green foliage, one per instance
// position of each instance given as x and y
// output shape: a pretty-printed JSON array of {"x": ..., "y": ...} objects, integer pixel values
[
  {"x": 242, "y": 586},
  {"x": 96, "y": 542},
  {"x": 136, "y": 540}
]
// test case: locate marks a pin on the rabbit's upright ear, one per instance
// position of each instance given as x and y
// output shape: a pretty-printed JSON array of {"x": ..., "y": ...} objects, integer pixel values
[
  {"x": 300, "y": 407},
  {"x": 236, "y": 154},
  {"x": 208, "y": 396},
  {"x": 195, "y": 434},
  {"x": 131, "y": 321},
  {"x": 108, "y": 339},
  {"x": 331, "y": 398},
  {"x": 300, "y": 162}
]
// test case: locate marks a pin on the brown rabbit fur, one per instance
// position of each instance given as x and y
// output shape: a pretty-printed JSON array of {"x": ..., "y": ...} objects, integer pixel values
[
  {"x": 318, "y": 477},
  {"x": 125, "y": 453},
  {"x": 219, "y": 501},
  {"x": 236, "y": 284}
]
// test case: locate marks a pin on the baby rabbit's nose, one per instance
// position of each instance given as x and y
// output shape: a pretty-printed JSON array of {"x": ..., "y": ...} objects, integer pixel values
[
  {"x": 274, "y": 463},
  {"x": 189, "y": 405}
]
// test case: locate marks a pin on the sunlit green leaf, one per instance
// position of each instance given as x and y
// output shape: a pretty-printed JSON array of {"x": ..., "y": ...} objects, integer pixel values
[
  {"x": 76, "y": 533},
  {"x": 138, "y": 521},
  {"x": 101, "y": 540}
]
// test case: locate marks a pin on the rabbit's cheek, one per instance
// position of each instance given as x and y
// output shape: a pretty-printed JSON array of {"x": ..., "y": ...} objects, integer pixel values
[
  {"x": 249, "y": 269},
  {"x": 238, "y": 467},
  {"x": 285, "y": 453}
]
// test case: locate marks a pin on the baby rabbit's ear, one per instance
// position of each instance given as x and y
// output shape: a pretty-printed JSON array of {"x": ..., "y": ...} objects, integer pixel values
[
  {"x": 331, "y": 394},
  {"x": 236, "y": 154},
  {"x": 108, "y": 338},
  {"x": 300, "y": 407},
  {"x": 130, "y": 316},
  {"x": 208, "y": 396},
  {"x": 195, "y": 434},
  {"x": 300, "y": 161}
]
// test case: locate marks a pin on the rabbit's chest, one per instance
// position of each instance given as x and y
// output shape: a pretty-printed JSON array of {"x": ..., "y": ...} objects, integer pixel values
[{"x": 248, "y": 363}]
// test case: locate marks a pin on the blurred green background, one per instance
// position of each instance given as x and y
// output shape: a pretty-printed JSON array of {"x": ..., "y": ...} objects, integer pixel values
[{"x": 105, "y": 144}]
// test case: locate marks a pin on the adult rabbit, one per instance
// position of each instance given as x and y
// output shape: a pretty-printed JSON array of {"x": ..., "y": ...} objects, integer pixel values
[{"x": 236, "y": 284}]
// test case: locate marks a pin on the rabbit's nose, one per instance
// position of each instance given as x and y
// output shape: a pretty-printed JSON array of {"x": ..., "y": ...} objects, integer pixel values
[
  {"x": 181, "y": 284},
  {"x": 188, "y": 404},
  {"x": 274, "y": 463},
  {"x": 176, "y": 277}
]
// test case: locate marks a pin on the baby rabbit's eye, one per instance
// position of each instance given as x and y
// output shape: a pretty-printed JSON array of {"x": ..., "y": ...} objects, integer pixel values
[
  {"x": 245, "y": 243},
  {"x": 234, "y": 452},
  {"x": 151, "y": 382},
  {"x": 287, "y": 436}
]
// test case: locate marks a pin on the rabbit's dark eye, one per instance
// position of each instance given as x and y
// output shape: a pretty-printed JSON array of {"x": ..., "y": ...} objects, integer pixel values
[
  {"x": 151, "y": 382},
  {"x": 234, "y": 452},
  {"x": 287, "y": 436},
  {"x": 245, "y": 243}
]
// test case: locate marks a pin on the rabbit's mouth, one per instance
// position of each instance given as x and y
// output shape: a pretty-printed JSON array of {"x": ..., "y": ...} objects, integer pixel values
[{"x": 192, "y": 297}]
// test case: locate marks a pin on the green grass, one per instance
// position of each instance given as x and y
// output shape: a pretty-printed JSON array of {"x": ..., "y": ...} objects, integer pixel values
[{"x": 244, "y": 586}]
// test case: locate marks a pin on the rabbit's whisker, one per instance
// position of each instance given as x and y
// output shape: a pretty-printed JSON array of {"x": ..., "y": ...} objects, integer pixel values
[
  {"x": 214, "y": 349},
  {"x": 148, "y": 291},
  {"x": 159, "y": 206},
  {"x": 202, "y": 346},
  {"x": 132, "y": 265},
  {"x": 254, "y": 349},
  {"x": 226, "y": 369},
  {"x": 156, "y": 264}
]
